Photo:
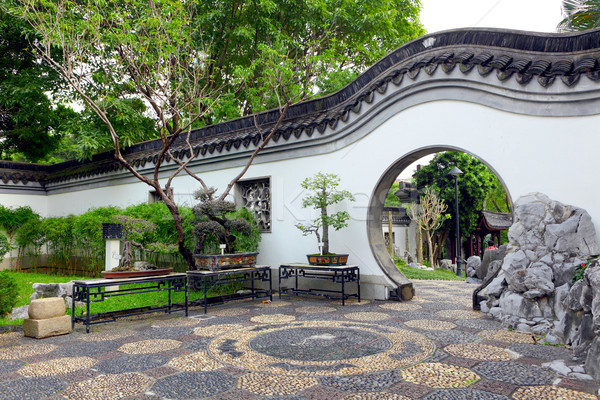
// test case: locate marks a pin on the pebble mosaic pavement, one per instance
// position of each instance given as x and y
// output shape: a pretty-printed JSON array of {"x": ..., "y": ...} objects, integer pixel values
[{"x": 303, "y": 348}]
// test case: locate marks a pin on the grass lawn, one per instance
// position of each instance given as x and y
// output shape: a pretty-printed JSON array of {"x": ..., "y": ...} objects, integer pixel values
[
  {"x": 438, "y": 274},
  {"x": 26, "y": 280}
]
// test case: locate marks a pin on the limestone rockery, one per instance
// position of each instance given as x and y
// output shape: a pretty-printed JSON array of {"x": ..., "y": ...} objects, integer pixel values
[{"x": 535, "y": 290}]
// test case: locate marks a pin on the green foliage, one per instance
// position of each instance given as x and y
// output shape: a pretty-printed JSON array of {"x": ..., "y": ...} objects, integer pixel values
[
  {"x": 8, "y": 293},
  {"x": 4, "y": 246},
  {"x": 159, "y": 215},
  {"x": 296, "y": 44},
  {"x": 30, "y": 234},
  {"x": 580, "y": 15},
  {"x": 85, "y": 134},
  {"x": 473, "y": 186},
  {"x": 87, "y": 233},
  {"x": 218, "y": 222},
  {"x": 11, "y": 219},
  {"x": 324, "y": 193},
  {"x": 579, "y": 273},
  {"x": 246, "y": 240},
  {"x": 391, "y": 200},
  {"x": 75, "y": 242},
  {"x": 496, "y": 198},
  {"x": 30, "y": 122},
  {"x": 437, "y": 274}
]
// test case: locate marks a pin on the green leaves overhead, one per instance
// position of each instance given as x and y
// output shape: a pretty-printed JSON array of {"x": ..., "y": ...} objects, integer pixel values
[
  {"x": 580, "y": 15},
  {"x": 305, "y": 46},
  {"x": 30, "y": 125}
]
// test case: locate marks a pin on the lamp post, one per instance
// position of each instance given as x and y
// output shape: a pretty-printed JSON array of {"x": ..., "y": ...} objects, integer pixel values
[{"x": 455, "y": 173}]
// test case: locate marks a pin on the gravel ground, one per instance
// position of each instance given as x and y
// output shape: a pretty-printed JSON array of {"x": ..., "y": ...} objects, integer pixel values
[{"x": 304, "y": 347}]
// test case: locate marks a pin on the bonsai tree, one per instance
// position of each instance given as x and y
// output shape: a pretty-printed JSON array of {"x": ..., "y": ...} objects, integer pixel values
[
  {"x": 218, "y": 221},
  {"x": 133, "y": 235},
  {"x": 325, "y": 192}
]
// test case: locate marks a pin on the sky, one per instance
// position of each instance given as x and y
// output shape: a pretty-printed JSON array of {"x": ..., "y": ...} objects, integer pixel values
[{"x": 527, "y": 15}]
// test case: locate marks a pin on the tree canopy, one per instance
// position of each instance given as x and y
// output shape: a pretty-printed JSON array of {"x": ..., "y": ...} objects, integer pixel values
[
  {"x": 473, "y": 187},
  {"x": 580, "y": 15},
  {"x": 329, "y": 42},
  {"x": 253, "y": 54},
  {"x": 30, "y": 123},
  {"x": 193, "y": 63}
]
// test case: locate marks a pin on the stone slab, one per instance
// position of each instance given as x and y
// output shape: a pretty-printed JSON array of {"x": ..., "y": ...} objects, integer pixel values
[
  {"x": 42, "y": 328},
  {"x": 47, "y": 308}
]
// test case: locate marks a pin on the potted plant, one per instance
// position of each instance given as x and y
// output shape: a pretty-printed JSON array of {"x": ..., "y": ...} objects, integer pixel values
[
  {"x": 134, "y": 232},
  {"x": 227, "y": 238},
  {"x": 324, "y": 192}
]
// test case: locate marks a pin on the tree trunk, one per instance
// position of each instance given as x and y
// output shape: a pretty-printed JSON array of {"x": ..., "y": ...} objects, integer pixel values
[
  {"x": 439, "y": 241},
  {"x": 126, "y": 258},
  {"x": 185, "y": 252},
  {"x": 430, "y": 248},
  {"x": 419, "y": 246},
  {"x": 325, "y": 228}
]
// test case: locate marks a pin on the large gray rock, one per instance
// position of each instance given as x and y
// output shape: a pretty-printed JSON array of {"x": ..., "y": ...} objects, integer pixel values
[
  {"x": 44, "y": 290},
  {"x": 560, "y": 299},
  {"x": 517, "y": 305},
  {"x": 497, "y": 286},
  {"x": 592, "y": 277},
  {"x": 19, "y": 312},
  {"x": 515, "y": 271},
  {"x": 491, "y": 262},
  {"x": 573, "y": 300},
  {"x": 592, "y": 361},
  {"x": 539, "y": 277},
  {"x": 548, "y": 241},
  {"x": 473, "y": 265},
  {"x": 447, "y": 265}
]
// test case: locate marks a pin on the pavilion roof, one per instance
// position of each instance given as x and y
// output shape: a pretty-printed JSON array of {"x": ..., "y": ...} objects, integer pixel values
[{"x": 495, "y": 221}]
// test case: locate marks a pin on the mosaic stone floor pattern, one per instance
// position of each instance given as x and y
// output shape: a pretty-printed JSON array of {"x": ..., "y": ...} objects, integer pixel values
[{"x": 303, "y": 348}]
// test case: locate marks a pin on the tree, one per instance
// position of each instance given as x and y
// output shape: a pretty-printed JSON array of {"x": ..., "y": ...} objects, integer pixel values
[
  {"x": 428, "y": 216},
  {"x": 320, "y": 45},
  {"x": 325, "y": 193},
  {"x": 580, "y": 15},
  {"x": 151, "y": 51},
  {"x": 496, "y": 198},
  {"x": 85, "y": 134},
  {"x": 30, "y": 124},
  {"x": 473, "y": 186},
  {"x": 328, "y": 41}
]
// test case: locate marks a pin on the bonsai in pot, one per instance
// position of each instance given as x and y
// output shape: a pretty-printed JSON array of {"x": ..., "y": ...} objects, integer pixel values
[
  {"x": 324, "y": 192},
  {"x": 227, "y": 238},
  {"x": 135, "y": 234}
]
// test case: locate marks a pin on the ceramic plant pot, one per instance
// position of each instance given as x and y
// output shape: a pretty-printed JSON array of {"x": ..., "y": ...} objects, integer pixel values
[
  {"x": 217, "y": 262},
  {"x": 329, "y": 259}
]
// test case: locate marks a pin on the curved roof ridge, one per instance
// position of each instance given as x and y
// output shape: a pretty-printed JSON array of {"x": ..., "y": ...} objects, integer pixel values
[{"x": 519, "y": 54}]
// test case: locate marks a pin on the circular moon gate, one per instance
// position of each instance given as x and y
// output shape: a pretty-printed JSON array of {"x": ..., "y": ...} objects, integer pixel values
[{"x": 320, "y": 348}]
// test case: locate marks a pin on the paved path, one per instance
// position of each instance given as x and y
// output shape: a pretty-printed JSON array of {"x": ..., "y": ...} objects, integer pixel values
[{"x": 433, "y": 347}]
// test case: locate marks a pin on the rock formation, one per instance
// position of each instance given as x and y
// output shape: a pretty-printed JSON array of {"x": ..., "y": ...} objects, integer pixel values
[{"x": 534, "y": 291}]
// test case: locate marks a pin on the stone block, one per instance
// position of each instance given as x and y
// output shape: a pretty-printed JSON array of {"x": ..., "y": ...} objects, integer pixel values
[
  {"x": 42, "y": 328},
  {"x": 47, "y": 308}
]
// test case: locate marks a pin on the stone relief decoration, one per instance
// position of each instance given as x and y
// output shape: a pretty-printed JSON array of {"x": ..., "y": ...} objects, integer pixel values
[{"x": 255, "y": 195}]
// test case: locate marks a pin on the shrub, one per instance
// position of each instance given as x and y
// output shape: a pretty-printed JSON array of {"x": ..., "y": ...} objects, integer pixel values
[
  {"x": 218, "y": 222},
  {"x": 8, "y": 293},
  {"x": 4, "y": 246}
]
